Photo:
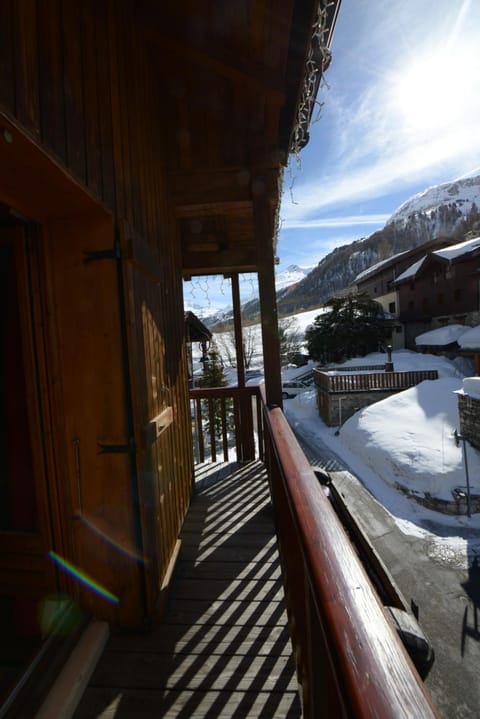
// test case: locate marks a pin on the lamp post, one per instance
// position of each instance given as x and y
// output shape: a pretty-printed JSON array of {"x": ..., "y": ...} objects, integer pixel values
[
  {"x": 389, "y": 363},
  {"x": 457, "y": 438}
]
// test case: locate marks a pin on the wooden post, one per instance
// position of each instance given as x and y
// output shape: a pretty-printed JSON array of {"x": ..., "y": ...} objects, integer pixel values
[
  {"x": 263, "y": 228},
  {"x": 237, "y": 323}
]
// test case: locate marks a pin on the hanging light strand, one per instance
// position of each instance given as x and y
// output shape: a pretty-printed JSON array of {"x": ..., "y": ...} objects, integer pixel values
[{"x": 318, "y": 60}]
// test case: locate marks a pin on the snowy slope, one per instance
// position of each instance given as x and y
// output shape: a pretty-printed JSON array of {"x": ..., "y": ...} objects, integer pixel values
[{"x": 463, "y": 193}]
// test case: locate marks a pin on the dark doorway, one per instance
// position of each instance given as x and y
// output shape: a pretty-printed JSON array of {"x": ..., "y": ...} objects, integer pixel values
[{"x": 26, "y": 575}]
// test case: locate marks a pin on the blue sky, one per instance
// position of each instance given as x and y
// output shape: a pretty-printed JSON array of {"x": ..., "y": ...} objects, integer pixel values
[{"x": 400, "y": 112}]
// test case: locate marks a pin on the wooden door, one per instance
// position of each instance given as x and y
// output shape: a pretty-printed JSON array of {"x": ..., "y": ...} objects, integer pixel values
[{"x": 26, "y": 574}]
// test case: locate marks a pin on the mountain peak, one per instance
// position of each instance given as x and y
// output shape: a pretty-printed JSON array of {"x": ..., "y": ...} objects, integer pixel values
[{"x": 461, "y": 193}]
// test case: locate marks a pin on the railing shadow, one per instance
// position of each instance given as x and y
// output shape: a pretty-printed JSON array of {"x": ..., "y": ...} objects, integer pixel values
[{"x": 223, "y": 648}]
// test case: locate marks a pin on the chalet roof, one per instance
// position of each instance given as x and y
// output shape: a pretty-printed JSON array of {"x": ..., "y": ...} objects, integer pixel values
[
  {"x": 447, "y": 254},
  {"x": 195, "y": 329},
  {"x": 454, "y": 252},
  {"x": 379, "y": 267},
  {"x": 383, "y": 264},
  {"x": 411, "y": 271}
]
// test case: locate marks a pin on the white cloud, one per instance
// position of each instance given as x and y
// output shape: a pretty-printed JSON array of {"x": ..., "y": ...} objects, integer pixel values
[
  {"x": 377, "y": 134},
  {"x": 347, "y": 221}
]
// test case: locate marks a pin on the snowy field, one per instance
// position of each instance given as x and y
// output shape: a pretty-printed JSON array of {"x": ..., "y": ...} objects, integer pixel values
[{"x": 407, "y": 439}]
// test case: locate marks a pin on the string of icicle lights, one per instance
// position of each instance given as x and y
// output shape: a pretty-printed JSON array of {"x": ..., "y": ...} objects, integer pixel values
[{"x": 318, "y": 59}]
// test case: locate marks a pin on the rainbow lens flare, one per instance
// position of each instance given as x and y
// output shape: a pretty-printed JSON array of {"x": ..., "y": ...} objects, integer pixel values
[{"x": 83, "y": 578}]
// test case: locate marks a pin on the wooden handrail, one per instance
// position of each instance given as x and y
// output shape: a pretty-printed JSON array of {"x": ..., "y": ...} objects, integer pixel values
[{"x": 350, "y": 661}]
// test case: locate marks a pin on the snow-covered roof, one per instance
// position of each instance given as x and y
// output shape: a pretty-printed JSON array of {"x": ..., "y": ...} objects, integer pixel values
[
  {"x": 466, "y": 337},
  {"x": 447, "y": 253},
  {"x": 454, "y": 251},
  {"x": 471, "y": 386},
  {"x": 412, "y": 270},
  {"x": 440, "y": 337},
  {"x": 377, "y": 266},
  {"x": 470, "y": 339}
]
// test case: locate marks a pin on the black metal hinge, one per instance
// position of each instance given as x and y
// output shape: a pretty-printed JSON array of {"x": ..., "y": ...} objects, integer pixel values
[
  {"x": 113, "y": 253},
  {"x": 104, "y": 448}
]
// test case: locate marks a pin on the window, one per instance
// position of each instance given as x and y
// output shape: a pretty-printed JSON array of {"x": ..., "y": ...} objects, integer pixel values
[{"x": 391, "y": 307}]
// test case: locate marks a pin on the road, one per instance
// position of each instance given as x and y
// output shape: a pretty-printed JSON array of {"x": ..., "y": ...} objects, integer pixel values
[{"x": 447, "y": 595}]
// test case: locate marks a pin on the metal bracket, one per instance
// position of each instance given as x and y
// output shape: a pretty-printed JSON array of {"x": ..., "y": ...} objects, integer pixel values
[
  {"x": 116, "y": 448},
  {"x": 114, "y": 253}
]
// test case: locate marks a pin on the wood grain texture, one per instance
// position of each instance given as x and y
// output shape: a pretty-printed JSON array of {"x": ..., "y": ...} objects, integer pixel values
[{"x": 223, "y": 647}]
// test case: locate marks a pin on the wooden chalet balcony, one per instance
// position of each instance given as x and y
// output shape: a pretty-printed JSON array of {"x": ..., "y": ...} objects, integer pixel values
[{"x": 222, "y": 648}]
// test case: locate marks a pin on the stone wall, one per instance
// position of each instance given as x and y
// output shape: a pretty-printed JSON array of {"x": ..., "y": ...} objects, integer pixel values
[
  {"x": 334, "y": 409},
  {"x": 469, "y": 413}
]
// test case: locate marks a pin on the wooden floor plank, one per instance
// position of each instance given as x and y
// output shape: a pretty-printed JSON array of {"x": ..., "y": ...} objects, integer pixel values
[
  {"x": 222, "y": 649},
  {"x": 171, "y": 704},
  {"x": 180, "y": 638}
]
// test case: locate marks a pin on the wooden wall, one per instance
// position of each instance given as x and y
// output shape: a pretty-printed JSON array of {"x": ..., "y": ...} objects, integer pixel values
[{"x": 76, "y": 77}]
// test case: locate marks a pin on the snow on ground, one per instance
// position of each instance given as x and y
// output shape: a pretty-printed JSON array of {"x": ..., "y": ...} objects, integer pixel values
[
  {"x": 407, "y": 439},
  {"x": 470, "y": 338},
  {"x": 441, "y": 336},
  {"x": 451, "y": 333}
]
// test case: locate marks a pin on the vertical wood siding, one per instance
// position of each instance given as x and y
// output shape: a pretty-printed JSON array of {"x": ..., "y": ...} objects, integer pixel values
[{"x": 77, "y": 77}]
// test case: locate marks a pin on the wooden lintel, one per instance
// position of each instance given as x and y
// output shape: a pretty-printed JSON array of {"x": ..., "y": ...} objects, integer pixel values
[
  {"x": 207, "y": 209},
  {"x": 227, "y": 258},
  {"x": 199, "y": 270},
  {"x": 226, "y": 188}
]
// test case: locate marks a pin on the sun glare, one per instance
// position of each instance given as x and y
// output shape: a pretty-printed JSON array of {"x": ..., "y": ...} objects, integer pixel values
[{"x": 432, "y": 92}]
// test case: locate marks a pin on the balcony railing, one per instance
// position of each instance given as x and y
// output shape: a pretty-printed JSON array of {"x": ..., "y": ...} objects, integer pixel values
[
  {"x": 227, "y": 423},
  {"x": 370, "y": 381},
  {"x": 350, "y": 661}
]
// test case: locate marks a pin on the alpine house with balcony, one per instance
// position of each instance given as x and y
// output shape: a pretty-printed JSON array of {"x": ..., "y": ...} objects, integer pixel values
[{"x": 142, "y": 143}]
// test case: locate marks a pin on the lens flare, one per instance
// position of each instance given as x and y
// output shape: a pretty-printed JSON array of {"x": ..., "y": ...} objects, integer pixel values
[
  {"x": 96, "y": 529},
  {"x": 83, "y": 578}
]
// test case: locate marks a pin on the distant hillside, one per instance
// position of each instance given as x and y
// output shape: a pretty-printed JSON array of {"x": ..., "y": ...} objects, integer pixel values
[
  {"x": 221, "y": 317},
  {"x": 449, "y": 210}
]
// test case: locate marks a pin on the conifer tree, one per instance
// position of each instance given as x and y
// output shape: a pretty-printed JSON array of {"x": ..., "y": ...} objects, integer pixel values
[
  {"x": 354, "y": 327},
  {"x": 214, "y": 376}
]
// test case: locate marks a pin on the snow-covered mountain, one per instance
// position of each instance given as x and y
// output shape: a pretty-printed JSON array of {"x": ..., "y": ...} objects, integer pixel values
[
  {"x": 461, "y": 194},
  {"x": 214, "y": 313},
  {"x": 449, "y": 210},
  {"x": 290, "y": 276}
]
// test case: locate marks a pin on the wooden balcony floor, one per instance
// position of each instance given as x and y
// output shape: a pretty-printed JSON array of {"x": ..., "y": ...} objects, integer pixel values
[{"x": 223, "y": 648}]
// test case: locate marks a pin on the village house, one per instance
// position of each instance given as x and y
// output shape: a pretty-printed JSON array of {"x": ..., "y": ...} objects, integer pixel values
[
  {"x": 440, "y": 288},
  {"x": 378, "y": 281}
]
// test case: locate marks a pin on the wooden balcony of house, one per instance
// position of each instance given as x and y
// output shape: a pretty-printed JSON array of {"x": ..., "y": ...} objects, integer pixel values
[
  {"x": 343, "y": 391},
  {"x": 368, "y": 380},
  {"x": 270, "y": 612}
]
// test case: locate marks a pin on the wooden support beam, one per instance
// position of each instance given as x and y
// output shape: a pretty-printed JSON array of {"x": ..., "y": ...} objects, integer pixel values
[
  {"x": 263, "y": 224},
  {"x": 212, "y": 188},
  {"x": 237, "y": 324}
]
